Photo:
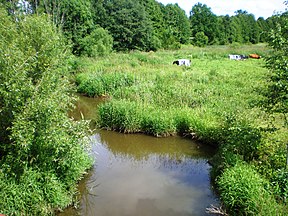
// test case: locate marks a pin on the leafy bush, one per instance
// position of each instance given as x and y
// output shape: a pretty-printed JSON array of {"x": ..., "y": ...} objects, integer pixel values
[
  {"x": 200, "y": 39},
  {"x": 98, "y": 43},
  {"x": 280, "y": 184},
  {"x": 43, "y": 152},
  {"x": 241, "y": 137}
]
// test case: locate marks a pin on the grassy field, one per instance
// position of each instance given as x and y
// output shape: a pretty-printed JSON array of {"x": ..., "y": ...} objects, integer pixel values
[
  {"x": 212, "y": 89},
  {"x": 214, "y": 100}
]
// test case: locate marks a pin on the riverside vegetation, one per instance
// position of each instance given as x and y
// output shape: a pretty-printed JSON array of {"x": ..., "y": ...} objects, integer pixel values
[
  {"x": 43, "y": 153},
  {"x": 215, "y": 101}
]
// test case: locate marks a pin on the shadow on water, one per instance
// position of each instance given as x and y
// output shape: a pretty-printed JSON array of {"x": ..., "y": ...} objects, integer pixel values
[{"x": 142, "y": 175}]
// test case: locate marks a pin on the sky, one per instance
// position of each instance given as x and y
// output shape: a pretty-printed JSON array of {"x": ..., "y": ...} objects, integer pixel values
[{"x": 260, "y": 8}]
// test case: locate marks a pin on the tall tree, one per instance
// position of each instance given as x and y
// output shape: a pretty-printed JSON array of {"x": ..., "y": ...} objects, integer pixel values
[
  {"x": 263, "y": 29},
  {"x": 127, "y": 22},
  {"x": 249, "y": 29},
  {"x": 177, "y": 20},
  {"x": 276, "y": 93},
  {"x": 203, "y": 20},
  {"x": 224, "y": 29},
  {"x": 156, "y": 17}
]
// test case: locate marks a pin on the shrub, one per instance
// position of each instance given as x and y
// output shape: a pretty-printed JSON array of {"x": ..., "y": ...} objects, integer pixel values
[
  {"x": 98, "y": 43},
  {"x": 200, "y": 39},
  {"x": 242, "y": 138},
  {"x": 280, "y": 184},
  {"x": 43, "y": 152}
]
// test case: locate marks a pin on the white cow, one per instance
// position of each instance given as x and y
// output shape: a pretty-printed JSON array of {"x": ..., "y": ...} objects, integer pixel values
[
  {"x": 186, "y": 62},
  {"x": 238, "y": 57},
  {"x": 234, "y": 57}
]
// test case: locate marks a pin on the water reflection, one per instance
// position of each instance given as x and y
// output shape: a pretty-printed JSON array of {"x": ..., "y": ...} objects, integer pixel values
[
  {"x": 139, "y": 175},
  {"x": 142, "y": 175}
]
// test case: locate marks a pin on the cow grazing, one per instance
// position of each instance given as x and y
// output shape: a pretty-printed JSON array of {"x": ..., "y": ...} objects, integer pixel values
[
  {"x": 243, "y": 57},
  {"x": 255, "y": 56},
  {"x": 234, "y": 57},
  {"x": 186, "y": 62},
  {"x": 238, "y": 57}
]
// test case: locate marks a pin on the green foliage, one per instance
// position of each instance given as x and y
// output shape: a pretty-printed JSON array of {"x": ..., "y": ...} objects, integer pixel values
[
  {"x": 127, "y": 23},
  {"x": 280, "y": 184},
  {"x": 98, "y": 43},
  {"x": 276, "y": 99},
  {"x": 34, "y": 193},
  {"x": 169, "y": 40},
  {"x": 203, "y": 20},
  {"x": 143, "y": 24},
  {"x": 242, "y": 138},
  {"x": 176, "y": 19},
  {"x": 43, "y": 152},
  {"x": 200, "y": 39},
  {"x": 243, "y": 192}
]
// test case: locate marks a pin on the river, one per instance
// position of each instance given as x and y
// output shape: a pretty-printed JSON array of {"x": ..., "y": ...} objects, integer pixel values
[{"x": 140, "y": 175}]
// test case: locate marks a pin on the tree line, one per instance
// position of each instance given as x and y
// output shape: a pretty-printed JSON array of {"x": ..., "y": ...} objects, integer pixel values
[{"x": 98, "y": 26}]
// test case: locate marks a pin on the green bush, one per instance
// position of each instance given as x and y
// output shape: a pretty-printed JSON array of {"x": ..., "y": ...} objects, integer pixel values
[
  {"x": 200, "y": 39},
  {"x": 98, "y": 43},
  {"x": 280, "y": 184},
  {"x": 43, "y": 152},
  {"x": 242, "y": 138},
  {"x": 243, "y": 192}
]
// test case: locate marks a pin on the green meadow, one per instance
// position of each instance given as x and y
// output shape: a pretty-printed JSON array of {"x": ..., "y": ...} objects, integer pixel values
[
  {"x": 148, "y": 94},
  {"x": 216, "y": 101}
]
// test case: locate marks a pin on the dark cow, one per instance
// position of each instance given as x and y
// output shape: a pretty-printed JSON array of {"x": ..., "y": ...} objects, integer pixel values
[
  {"x": 255, "y": 56},
  {"x": 186, "y": 62}
]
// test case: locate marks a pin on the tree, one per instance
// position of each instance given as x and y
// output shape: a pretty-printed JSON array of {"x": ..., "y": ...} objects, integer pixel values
[
  {"x": 236, "y": 30},
  {"x": 98, "y": 43},
  {"x": 156, "y": 18},
  {"x": 42, "y": 151},
  {"x": 276, "y": 94},
  {"x": 224, "y": 29},
  {"x": 203, "y": 20},
  {"x": 127, "y": 22},
  {"x": 200, "y": 39},
  {"x": 263, "y": 29},
  {"x": 249, "y": 29},
  {"x": 177, "y": 20}
]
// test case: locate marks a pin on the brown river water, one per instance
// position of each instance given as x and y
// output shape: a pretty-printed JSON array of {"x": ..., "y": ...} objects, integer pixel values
[{"x": 140, "y": 175}]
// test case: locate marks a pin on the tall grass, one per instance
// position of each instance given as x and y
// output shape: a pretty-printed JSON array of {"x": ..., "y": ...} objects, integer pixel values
[
  {"x": 213, "y": 101},
  {"x": 213, "y": 88},
  {"x": 244, "y": 192}
]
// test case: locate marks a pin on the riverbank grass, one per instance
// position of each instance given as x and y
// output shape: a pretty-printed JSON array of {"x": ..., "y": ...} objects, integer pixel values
[{"x": 214, "y": 100}]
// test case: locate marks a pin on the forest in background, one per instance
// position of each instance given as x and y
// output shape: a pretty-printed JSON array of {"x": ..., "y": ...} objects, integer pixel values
[{"x": 97, "y": 26}]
